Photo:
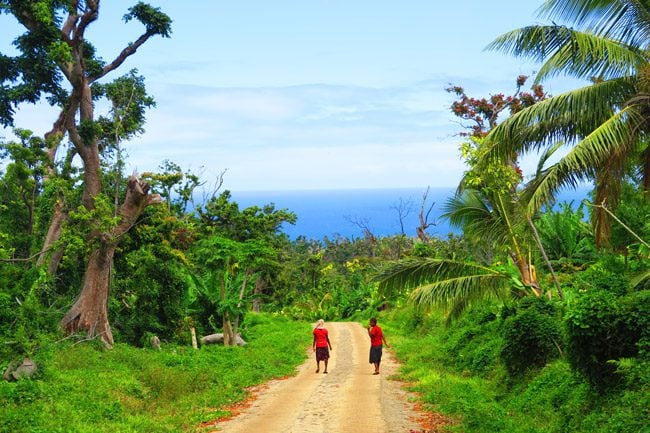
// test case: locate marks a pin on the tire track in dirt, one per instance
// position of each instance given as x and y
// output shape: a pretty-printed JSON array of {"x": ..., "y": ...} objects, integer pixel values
[{"x": 349, "y": 399}]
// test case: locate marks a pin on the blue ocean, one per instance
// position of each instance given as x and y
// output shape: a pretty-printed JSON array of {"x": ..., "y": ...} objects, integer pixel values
[
  {"x": 343, "y": 213},
  {"x": 333, "y": 213}
]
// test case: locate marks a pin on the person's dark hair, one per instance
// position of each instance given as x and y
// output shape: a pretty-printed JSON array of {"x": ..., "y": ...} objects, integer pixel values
[{"x": 373, "y": 321}]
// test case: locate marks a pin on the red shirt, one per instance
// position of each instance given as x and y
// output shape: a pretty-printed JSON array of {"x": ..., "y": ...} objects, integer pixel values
[
  {"x": 321, "y": 337},
  {"x": 376, "y": 336}
]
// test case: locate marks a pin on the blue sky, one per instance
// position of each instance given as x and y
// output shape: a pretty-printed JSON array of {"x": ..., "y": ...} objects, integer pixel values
[{"x": 310, "y": 94}]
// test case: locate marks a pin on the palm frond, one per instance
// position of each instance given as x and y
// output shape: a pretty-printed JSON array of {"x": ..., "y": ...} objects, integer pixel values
[
  {"x": 568, "y": 116},
  {"x": 449, "y": 284},
  {"x": 415, "y": 272},
  {"x": 472, "y": 212},
  {"x": 627, "y": 21},
  {"x": 546, "y": 155},
  {"x": 466, "y": 206},
  {"x": 586, "y": 55},
  {"x": 464, "y": 289},
  {"x": 581, "y": 163},
  {"x": 579, "y": 12},
  {"x": 534, "y": 42},
  {"x": 631, "y": 23},
  {"x": 568, "y": 51},
  {"x": 641, "y": 280}
]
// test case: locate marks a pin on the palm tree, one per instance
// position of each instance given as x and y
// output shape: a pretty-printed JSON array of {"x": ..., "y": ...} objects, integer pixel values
[
  {"x": 489, "y": 217},
  {"x": 488, "y": 208},
  {"x": 495, "y": 219},
  {"x": 605, "y": 124}
]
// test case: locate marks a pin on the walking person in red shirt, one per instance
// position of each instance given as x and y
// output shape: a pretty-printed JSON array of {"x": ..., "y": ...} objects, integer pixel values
[
  {"x": 376, "y": 340},
  {"x": 321, "y": 345}
]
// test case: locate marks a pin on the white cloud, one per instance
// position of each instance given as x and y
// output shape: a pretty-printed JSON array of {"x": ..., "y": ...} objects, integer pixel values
[
  {"x": 304, "y": 136},
  {"x": 297, "y": 137},
  {"x": 259, "y": 105},
  {"x": 331, "y": 167}
]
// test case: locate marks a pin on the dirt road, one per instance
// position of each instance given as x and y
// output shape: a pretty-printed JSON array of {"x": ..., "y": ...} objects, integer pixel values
[{"x": 349, "y": 399}]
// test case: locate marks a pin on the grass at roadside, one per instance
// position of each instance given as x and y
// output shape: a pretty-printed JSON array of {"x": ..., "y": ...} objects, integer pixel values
[{"x": 85, "y": 388}]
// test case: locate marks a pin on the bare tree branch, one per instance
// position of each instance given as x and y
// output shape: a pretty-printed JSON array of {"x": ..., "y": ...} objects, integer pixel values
[{"x": 424, "y": 218}]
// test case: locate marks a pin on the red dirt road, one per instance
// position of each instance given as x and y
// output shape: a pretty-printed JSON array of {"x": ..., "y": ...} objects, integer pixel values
[{"x": 349, "y": 399}]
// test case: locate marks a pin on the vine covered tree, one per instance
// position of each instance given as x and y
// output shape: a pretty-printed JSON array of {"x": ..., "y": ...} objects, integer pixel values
[
  {"x": 56, "y": 62},
  {"x": 487, "y": 205}
]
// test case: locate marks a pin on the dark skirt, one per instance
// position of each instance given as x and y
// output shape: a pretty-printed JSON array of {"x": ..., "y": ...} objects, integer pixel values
[
  {"x": 375, "y": 354},
  {"x": 322, "y": 353}
]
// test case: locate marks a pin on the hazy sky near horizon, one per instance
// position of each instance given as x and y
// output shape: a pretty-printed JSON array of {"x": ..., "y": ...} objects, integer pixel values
[{"x": 318, "y": 94}]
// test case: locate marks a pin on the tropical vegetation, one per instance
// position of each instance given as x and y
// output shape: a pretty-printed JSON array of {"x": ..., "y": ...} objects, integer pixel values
[{"x": 528, "y": 320}]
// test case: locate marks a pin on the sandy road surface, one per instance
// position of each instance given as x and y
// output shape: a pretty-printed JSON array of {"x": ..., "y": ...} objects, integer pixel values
[{"x": 349, "y": 399}]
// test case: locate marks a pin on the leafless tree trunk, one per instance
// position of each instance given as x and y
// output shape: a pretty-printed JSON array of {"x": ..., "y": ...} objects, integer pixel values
[
  {"x": 242, "y": 292},
  {"x": 424, "y": 218},
  {"x": 403, "y": 209},
  {"x": 364, "y": 225},
  {"x": 260, "y": 284},
  {"x": 57, "y": 222},
  {"x": 542, "y": 250},
  {"x": 59, "y": 211},
  {"x": 226, "y": 323}
]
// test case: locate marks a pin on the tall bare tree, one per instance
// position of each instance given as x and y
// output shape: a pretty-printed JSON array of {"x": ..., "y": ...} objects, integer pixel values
[{"x": 424, "y": 218}]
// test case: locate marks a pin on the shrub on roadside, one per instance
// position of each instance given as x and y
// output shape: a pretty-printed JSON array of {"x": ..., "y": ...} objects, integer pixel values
[
  {"x": 555, "y": 398},
  {"x": 532, "y": 337},
  {"x": 472, "y": 344},
  {"x": 603, "y": 328}
]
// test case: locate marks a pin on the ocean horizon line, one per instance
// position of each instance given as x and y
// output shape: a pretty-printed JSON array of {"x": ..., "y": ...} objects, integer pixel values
[
  {"x": 349, "y": 212},
  {"x": 353, "y": 189}
]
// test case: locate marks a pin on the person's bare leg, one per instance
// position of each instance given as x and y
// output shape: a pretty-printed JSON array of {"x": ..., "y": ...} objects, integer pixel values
[
  {"x": 317, "y": 366},
  {"x": 325, "y": 372}
]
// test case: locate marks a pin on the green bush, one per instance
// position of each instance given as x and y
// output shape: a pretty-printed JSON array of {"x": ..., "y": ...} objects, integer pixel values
[
  {"x": 150, "y": 298},
  {"x": 552, "y": 400},
  {"x": 442, "y": 365},
  {"x": 636, "y": 312},
  {"x": 472, "y": 344},
  {"x": 603, "y": 328},
  {"x": 532, "y": 336},
  {"x": 608, "y": 274}
]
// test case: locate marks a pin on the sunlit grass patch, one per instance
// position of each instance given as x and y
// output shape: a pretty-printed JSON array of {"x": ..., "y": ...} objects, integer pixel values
[{"x": 84, "y": 388}]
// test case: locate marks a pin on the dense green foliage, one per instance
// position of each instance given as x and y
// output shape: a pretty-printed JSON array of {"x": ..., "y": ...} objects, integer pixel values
[
  {"x": 461, "y": 372},
  {"x": 504, "y": 365},
  {"x": 601, "y": 328},
  {"x": 514, "y": 364}
]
